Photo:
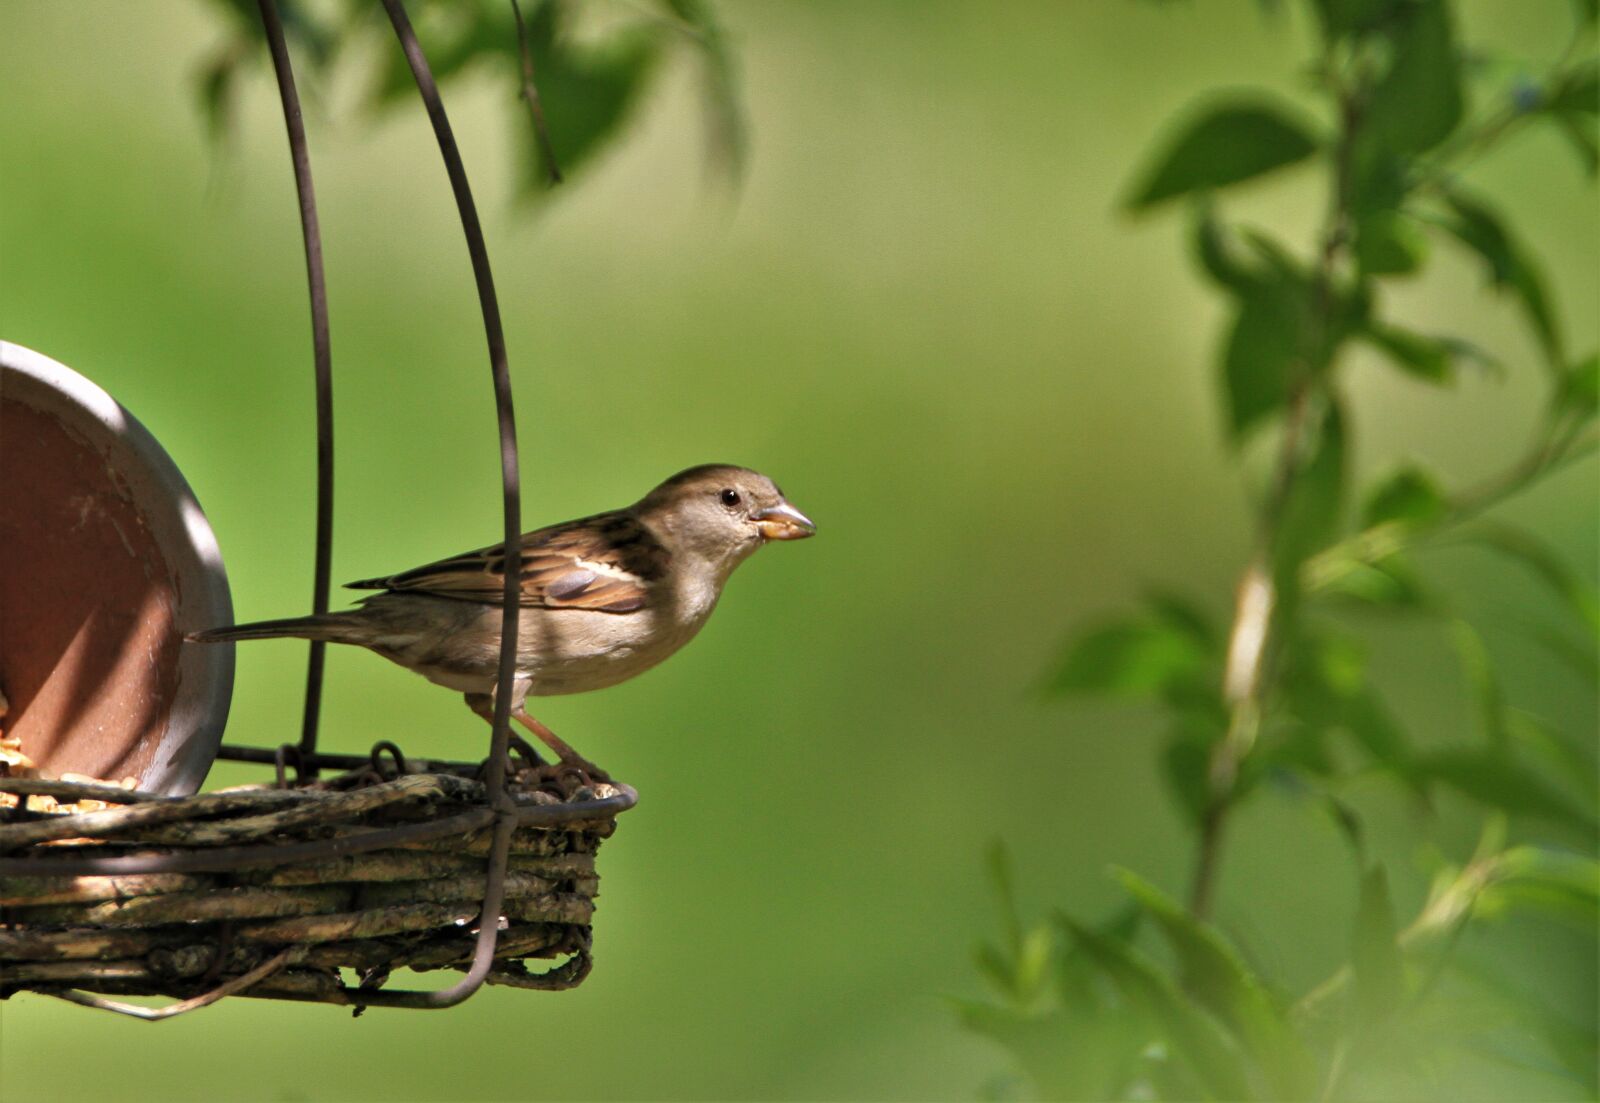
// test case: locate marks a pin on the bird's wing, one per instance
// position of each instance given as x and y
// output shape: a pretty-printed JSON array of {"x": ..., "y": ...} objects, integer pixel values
[{"x": 610, "y": 562}]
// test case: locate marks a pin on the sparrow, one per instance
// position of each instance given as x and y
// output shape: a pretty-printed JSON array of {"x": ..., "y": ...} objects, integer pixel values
[{"x": 602, "y": 598}]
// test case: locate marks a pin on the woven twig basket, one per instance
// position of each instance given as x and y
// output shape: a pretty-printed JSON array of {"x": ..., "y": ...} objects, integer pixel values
[{"x": 272, "y": 891}]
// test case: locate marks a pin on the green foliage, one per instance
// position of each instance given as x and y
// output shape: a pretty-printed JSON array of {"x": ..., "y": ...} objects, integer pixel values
[
  {"x": 588, "y": 86},
  {"x": 1291, "y": 695},
  {"x": 1227, "y": 144}
]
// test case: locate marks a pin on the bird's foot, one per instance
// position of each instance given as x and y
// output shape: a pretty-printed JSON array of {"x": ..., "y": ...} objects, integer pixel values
[{"x": 576, "y": 772}]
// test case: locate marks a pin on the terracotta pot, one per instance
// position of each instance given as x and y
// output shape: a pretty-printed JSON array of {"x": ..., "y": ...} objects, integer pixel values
[{"x": 106, "y": 560}]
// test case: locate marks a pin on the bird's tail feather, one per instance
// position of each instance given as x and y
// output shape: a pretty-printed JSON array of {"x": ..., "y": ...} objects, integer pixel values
[{"x": 333, "y": 627}]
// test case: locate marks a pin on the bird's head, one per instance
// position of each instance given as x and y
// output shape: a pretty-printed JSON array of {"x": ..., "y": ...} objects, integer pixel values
[{"x": 721, "y": 513}]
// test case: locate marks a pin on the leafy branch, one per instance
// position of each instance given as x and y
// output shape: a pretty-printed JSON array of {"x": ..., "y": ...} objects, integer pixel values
[
  {"x": 1272, "y": 693},
  {"x": 581, "y": 91}
]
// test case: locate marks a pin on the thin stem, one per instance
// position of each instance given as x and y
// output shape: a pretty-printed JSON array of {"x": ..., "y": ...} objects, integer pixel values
[
  {"x": 1247, "y": 670},
  {"x": 530, "y": 95},
  {"x": 322, "y": 359},
  {"x": 1388, "y": 538}
]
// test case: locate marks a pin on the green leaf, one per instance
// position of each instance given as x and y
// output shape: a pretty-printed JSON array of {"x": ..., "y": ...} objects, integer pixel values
[
  {"x": 1391, "y": 582},
  {"x": 1493, "y": 778},
  {"x": 1482, "y": 230},
  {"x": 1216, "y": 975},
  {"x": 1580, "y": 389},
  {"x": 1173, "y": 608},
  {"x": 1185, "y": 763},
  {"x": 1417, "y": 102},
  {"x": 1326, "y": 687},
  {"x": 588, "y": 90},
  {"x": 1225, "y": 144},
  {"x": 1573, "y": 590},
  {"x": 1388, "y": 243},
  {"x": 1578, "y": 92},
  {"x": 1581, "y": 137},
  {"x": 1409, "y": 495},
  {"x": 1312, "y": 511},
  {"x": 1476, "y": 666},
  {"x": 1003, "y": 883},
  {"x": 1341, "y": 18},
  {"x": 1262, "y": 356},
  {"x": 1217, "y": 254},
  {"x": 1196, "y": 1038},
  {"x": 728, "y": 133},
  {"x": 1375, "y": 952},
  {"x": 1572, "y": 758},
  {"x": 1166, "y": 648},
  {"x": 1369, "y": 720},
  {"x": 1430, "y": 359},
  {"x": 1555, "y": 882},
  {"x": 1587, "y": 11},
  {"x": 1067, "y": 1054}
]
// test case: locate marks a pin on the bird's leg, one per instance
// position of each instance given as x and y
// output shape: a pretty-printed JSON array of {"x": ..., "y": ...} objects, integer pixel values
[
  {"x": 564, "y": 751},
  {"x": 483, "y": 705}
]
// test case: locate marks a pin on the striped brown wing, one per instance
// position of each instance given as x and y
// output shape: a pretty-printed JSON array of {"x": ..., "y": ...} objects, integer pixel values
[{"x": 609, "y": 562}]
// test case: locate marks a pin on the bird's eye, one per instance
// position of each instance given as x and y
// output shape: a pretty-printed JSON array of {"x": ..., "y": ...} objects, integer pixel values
[{"x": 730, "y": 497}]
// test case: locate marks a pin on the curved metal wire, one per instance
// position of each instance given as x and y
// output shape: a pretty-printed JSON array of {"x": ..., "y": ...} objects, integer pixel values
[
  {"x": 495, "y": 773},
  {"x": 322, "y": 357}
]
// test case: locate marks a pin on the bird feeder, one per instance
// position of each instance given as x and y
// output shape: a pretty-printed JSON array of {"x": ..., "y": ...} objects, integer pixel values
[{"x": 116, "y": 878}]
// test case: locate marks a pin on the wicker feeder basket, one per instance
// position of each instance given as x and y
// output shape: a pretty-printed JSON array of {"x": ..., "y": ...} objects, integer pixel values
[
  {"x": 272, "y": 891},
  {"x": 316, "y": 890}
]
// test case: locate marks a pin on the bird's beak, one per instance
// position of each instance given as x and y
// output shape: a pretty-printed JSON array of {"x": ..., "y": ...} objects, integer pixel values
[{"x": 783, "y": 522}]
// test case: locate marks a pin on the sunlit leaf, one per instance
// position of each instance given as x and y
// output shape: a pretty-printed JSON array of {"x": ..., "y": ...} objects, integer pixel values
[
  {"x": 1375, "y": 952},
  {"x": 1169, "y": 645},
  {"x": 1226, "y": 144},
  {"x": 1408, "y": 494},
  {"x": 1216, "y": 975},
  {"x": 1195, "y": 1036},
  {"x": 1390, "y": 583},
  {"x": 1556, "y": 883}
]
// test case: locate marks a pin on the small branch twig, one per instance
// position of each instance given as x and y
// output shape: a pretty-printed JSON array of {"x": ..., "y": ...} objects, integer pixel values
[
  {"x": 530, "y": 95},
  {"x": 1374, "y": 544},
  {"x": 1246, "y": 674}
]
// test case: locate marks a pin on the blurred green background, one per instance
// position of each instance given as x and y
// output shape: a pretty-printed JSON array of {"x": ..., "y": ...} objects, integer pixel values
[{"x": 925, "y": 318}]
